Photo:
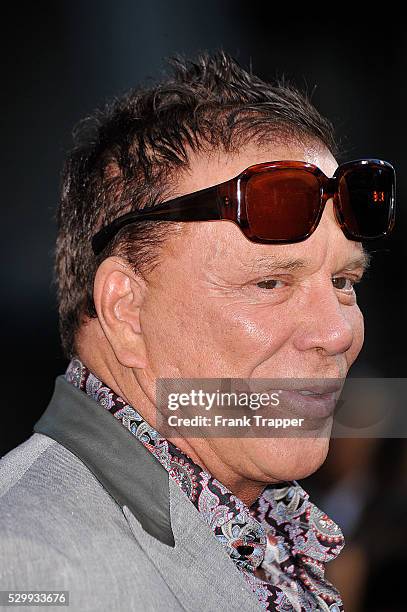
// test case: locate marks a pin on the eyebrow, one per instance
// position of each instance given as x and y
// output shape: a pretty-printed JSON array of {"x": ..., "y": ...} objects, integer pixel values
[
  {"x": 272, "y": 263},
  {"x": 362, "y": 261}
]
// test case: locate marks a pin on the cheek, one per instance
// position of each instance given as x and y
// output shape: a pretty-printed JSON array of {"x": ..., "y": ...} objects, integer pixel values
[
  {"x": 356, "y": 321},
  {"x": 165, "y": 324},
  {"x": 255, "y": 333},
  {"x": 213, "y": 337}
]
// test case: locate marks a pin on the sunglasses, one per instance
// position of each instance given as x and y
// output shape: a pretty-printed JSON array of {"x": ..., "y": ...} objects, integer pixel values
[{"x": 282, "y": 202}]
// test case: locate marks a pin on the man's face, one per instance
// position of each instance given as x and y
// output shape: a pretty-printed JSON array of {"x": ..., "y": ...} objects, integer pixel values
[{"x": 219, "y": 305}]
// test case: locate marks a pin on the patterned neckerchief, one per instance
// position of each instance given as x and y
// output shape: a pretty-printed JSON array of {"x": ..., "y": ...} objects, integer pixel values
[{"x": 280, "y": 543}]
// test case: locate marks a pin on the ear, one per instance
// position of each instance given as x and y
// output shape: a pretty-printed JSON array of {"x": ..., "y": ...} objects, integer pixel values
[{"x": 118, "y": 294}]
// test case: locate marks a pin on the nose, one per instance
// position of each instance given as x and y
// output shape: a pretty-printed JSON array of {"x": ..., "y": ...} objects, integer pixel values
[{"x": 324, "y": 324}]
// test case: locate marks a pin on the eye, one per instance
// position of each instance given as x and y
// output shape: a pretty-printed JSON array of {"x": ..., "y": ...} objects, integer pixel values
[
  {"x": 271, "y": 283},
  {"x": 344, "y": 284}
]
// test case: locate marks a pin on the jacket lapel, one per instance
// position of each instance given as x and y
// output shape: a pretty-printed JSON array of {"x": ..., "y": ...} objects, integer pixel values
[
  {"x": 125, "y": 468},
  {"x": 197, "y": 569}
]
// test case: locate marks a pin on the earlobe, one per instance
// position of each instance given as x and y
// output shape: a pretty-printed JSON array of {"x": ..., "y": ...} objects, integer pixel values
[{"x": 118, "y": 296}]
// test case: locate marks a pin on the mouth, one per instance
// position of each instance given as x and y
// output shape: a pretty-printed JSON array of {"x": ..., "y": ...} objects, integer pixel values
[
  {"x": 311, "y": 399},
  {"x": 322, "y": 388},
  {"x": 313, "y": 402}
]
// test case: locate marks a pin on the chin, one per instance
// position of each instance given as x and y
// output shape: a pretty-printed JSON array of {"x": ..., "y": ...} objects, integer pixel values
[
  {"x": 311, "y": 456},
  {"x": 298, "y": 458}
]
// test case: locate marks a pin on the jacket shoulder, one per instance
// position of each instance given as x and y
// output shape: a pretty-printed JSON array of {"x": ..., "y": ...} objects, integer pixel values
[
  {"x": 61, "y": 530},
  {"x": 19, "y": 460},
  {"x": 27, "y": 553},
  {"x": 43, "y": 483},
  {"x": 49, "y": 504}
]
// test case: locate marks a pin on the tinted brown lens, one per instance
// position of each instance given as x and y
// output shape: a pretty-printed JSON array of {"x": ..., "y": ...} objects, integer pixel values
[
  {"x": 366, "y": 198},
  {"x": 282, "y": 204}
]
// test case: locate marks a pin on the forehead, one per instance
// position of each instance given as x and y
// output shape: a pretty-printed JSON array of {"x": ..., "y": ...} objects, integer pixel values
[{"x": 213, "y": 167}]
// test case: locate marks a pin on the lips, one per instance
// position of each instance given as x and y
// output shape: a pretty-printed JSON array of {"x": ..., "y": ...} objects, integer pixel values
[
  {"x": 308, "y": 398},
  {"x": 317, "y": 402},
  {"x": 322, "y": 388}
]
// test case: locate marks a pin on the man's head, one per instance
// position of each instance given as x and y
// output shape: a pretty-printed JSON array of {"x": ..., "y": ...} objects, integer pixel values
[{"x": 195, "y": 300}]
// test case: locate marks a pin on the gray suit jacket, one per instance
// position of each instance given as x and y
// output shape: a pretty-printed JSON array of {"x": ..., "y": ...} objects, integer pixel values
[{"x": 86, "y": 508}]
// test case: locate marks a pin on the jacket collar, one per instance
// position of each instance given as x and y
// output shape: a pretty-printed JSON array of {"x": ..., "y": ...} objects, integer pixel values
[{"x": 125, "y": 468}]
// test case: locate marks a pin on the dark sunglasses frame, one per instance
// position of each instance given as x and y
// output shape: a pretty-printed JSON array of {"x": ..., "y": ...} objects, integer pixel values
[{"x": 226, "y": 201}]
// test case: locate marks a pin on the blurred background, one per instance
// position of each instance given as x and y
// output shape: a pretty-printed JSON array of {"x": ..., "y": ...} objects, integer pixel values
[{"x": 62, "y": 59}]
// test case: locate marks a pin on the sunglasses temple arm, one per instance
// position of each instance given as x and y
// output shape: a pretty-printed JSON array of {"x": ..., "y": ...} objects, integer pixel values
[{"x": 204, "y": 205}]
